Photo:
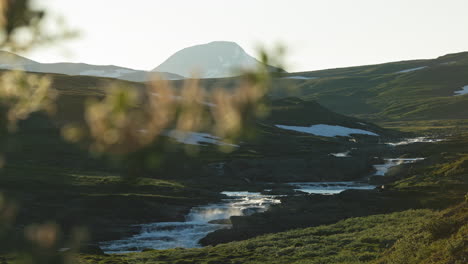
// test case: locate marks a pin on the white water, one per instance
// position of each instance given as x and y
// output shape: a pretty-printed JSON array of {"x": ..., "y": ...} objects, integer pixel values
[
  {"x": 338, "y": 187},
  {"x": 381, "y": 169},
  {"x": 165, "y": 235},
  {"x": 414, "y": 140},
  {"x": 196, "y": 226},
  {"x": 330, "y": 187},
  {"x": 462, "y": 91}
]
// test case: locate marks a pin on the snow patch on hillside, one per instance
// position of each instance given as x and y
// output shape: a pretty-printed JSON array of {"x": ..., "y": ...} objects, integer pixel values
[
  {"x": 103, "y": 73},
  {"x": 197, "y": 138},
  {"x": 341, "y": 154},
  {"x": 448, "y": 63},
  {"x": 464, "y": 90},
  {"x": 328, "y": 130},
  {"x": 299, "y": 77},
  {"x": 412, "y": 69}
]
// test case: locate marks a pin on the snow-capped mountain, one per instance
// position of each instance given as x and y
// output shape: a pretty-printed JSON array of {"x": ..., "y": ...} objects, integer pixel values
[
  {"x": 216, "y": 59},
  {"x": 12, "y": 61}
]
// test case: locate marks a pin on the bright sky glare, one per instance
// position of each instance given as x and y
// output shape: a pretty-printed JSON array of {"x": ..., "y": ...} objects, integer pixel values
[{"x": 319, "y": 34}]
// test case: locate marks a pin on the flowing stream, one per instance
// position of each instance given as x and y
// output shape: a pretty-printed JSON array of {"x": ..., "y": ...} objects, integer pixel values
[
  {"x": 329, "y": 187},
  {"x": 337, "y": 187},
  {"x": 381, "y": 169},
  {"x": 415, "y": 140},
  {"x": 198, "y": 223},
  {"x": 202, "y": 220}
]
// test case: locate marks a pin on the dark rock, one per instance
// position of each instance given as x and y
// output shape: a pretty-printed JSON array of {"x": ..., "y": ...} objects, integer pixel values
[
  {"x": 221, "y": 221},
  {"x": 252, "y": 210},
  {"x": 283, "y": 191},
  {"x": 310, "y": 210}
]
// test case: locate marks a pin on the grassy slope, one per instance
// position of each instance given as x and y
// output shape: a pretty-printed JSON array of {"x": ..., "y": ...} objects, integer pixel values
[
  {"x": 378, "y": 93},
  {"x": 347, "y": 241},
  {"x": 369, "y": 95},
  {"x": 412, "y": 236},
  {"x": 57, "y": 181},
  {"x": 98, "y": 200},
  {"x": 437, "y": 182},
  {"x": 373, "y": 92}
]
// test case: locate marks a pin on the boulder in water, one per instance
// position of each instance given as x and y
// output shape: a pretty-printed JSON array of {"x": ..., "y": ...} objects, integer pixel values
[{"x": 221, "y": 221}]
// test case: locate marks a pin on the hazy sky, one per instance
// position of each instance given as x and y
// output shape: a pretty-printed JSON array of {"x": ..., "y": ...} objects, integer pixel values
[{"x": 319, "y": 34}]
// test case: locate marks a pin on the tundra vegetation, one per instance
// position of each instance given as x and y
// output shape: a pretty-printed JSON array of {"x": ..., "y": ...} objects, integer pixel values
[{"x": 85, "y": 158}]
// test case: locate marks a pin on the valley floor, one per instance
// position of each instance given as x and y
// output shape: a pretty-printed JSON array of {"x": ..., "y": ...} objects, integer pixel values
[
  {"x": 420, "y": 217},
  {"x": 431, "y": 235},
  {"x": 412, "y": 236}
]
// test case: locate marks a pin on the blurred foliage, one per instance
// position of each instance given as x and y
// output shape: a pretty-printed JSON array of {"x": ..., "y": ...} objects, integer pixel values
[
  {"x": 22, "y": 27},
  {"x": 22, "y": 94},
  {"x": 127, "y": 120},
  {"x": 124, "y": 122}
]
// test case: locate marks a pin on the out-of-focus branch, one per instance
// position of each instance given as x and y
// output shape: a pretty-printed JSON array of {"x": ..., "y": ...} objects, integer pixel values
[
  {"x": 22, "y": 27},
  {"x": 126, "y": 121}
]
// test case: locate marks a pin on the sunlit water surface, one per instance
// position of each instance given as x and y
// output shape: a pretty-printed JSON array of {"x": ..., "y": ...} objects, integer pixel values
[{"x": 203, "y": 220}]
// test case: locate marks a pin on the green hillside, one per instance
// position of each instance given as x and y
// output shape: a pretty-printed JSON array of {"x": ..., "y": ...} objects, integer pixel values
[
  {"x": 380, "y": 93},
  {"x": 386, "y": 231},
  {"x": 357, "y": 240},
  {"x": 39, "y": 162},
  {"x": 57, "y": 181}
]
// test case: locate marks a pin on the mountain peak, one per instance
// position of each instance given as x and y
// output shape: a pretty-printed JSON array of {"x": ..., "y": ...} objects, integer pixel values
[
  {"x": 222, "y": 42},
  {"x": 13, "y": 60},
  {"x": 215, "y": 59}
]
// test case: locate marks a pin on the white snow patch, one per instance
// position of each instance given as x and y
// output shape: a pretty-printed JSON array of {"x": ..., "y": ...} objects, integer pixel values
[
  {"x": 197, "y": 138},
  {"x": 464, "y": 90},
  {"x": 341, "y": 154},
  {"x": 414, "y": 140},
  {"x": 299, "y": 77},
  {"x": 328, "y": 130},
  {"x": 103, "y": 73},
  {"x": 449, "y": 63},
  {"x": 412, "y": 69}
]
